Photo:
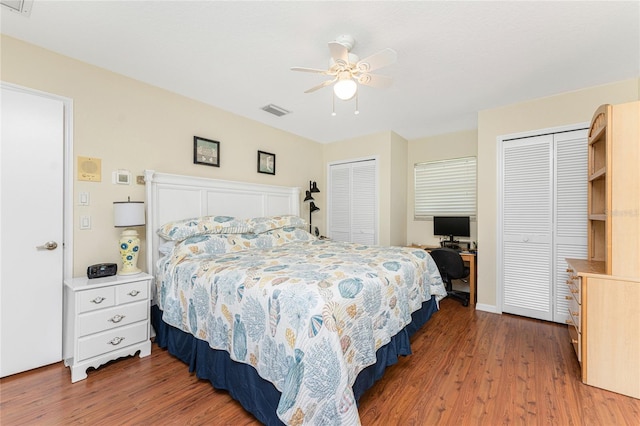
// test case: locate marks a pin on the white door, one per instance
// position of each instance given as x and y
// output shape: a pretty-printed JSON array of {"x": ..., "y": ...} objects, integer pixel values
[
  {"x": 527, "y": 226},
  {"x": 571, "y": 212},
  {"x": 544, "y": 206},
  {"x": 353, "y": 205},
  {"x": 31, "y": 225}
]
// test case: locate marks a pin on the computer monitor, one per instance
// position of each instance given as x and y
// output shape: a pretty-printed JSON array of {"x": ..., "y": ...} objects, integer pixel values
[{"x": 451, "y": 226}]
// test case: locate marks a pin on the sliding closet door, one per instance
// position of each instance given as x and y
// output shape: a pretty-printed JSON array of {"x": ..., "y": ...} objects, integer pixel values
[
  {"x": 544, "y": 206},
  {"x": 353, "y": 205},
  {"x": 527, "y": 226}
]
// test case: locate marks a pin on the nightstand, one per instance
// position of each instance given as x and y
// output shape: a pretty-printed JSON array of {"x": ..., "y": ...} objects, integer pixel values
[{"x": 105, "y": 319}]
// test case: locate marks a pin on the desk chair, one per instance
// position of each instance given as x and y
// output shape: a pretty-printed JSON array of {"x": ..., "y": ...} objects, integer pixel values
[{"x": 451, "y": 267}]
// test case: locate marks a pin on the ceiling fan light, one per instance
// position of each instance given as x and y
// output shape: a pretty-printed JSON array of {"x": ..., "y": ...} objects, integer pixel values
[{"x": 345, "y": 89}]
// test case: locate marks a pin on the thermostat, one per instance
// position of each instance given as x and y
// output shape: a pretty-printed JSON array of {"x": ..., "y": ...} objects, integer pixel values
[{"x": 121, "y": 177}]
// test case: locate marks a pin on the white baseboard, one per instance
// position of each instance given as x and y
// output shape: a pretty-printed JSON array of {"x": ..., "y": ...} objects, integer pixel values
[{"x": 487, "y": 308}]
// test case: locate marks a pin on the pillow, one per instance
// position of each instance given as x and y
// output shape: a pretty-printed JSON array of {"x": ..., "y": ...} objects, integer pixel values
[
  {"x": 207, "y": 244},
  {"x": 166, "y": 247},
  {"x": 264, "y": 224},
  {"x": 182, "y": 229},
  {"x": 288, "y": 235},
  {"x": 203, "y": 245}
]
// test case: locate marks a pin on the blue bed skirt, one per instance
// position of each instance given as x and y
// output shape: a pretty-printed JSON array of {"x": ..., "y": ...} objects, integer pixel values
[{"x": 243, "y": 383}]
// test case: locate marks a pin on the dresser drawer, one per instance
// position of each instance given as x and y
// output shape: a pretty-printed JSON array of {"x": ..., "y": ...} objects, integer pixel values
[
  {"x": 574, "y": 283},
  {"x": 106, "y": 319},
  {"x": 102, "y": 343},
  {"x": 132, "y": 292},
  {"x": 575, "y": 312},
  {"x": 98, "y": 298},
  {"x": 576, "y": 341}
]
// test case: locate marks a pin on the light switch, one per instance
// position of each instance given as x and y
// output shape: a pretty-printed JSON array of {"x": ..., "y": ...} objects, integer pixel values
[
  {"x": 83, "y": 199},
  {"x": 85, "y": 222}
]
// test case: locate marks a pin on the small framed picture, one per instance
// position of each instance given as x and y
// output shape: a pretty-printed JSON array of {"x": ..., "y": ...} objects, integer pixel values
[
  {"x": 206, "y": 152},
  {"x": 266, "y": 163}
]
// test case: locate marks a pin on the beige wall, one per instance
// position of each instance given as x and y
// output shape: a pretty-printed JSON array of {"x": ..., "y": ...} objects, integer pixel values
[
  {"x": 434, "y": 148},
  {"x": 555, "y": 111},
  {"x": 387, "y": 147},
  {"x": 398, "y": 196},
  {"x": 134, "y": 126}
]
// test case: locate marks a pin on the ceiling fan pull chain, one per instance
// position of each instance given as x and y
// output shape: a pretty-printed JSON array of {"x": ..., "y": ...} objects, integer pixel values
[
  {"x": 333, "y": 104},
  {"x": 357, "y": 111}
]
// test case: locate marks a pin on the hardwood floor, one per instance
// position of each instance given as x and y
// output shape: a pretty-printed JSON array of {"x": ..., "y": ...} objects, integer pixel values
[{"x": 468, "y": 368}]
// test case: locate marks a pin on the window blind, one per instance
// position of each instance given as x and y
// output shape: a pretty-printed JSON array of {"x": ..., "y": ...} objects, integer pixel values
[{"x": 445, "y": 188}]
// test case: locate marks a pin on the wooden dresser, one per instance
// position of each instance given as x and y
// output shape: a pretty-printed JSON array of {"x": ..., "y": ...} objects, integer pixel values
[{"x": 604, "y": 305}]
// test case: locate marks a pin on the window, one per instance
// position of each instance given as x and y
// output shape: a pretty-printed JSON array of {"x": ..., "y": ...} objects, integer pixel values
[{"x": 445, "y": 188}]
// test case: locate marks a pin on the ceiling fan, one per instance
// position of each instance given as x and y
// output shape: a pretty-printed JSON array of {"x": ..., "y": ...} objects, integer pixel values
[{"x": 347, "y": 70}]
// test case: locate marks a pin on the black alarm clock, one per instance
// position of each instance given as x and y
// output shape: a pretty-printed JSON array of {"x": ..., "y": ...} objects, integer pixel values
[{"x": 102, "y": 270}]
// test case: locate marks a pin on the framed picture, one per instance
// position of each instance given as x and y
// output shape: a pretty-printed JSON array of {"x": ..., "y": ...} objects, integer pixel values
[
  {"x": 206, "y": 152},
  {"x": 266, "y": 163}
]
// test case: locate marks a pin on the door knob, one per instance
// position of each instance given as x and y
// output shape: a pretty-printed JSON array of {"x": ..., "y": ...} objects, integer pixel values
[{"x": 49, "y": 245}]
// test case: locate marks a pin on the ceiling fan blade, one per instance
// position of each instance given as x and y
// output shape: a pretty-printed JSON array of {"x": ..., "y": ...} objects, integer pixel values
[
  {"x": 377, "y": 60},
  {"x": 375, "y": 80},
  {"x": 320, "y": 86},
  {"x": 315, "y": 70},
  {"x": 339, "y": 53}
]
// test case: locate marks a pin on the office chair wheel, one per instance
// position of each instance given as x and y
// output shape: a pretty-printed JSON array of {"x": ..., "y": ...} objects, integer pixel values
[{"x": 465, "y": 303}]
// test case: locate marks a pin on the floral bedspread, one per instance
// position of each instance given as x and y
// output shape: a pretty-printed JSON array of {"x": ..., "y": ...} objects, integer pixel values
[{"x": 308, "y": 315}]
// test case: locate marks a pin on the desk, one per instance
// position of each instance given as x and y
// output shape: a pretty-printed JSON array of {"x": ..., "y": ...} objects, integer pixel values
[{"x": 469, "y": 258}]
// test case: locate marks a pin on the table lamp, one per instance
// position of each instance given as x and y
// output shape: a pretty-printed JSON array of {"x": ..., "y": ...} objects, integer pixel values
[{"x": 128, "y": 214}]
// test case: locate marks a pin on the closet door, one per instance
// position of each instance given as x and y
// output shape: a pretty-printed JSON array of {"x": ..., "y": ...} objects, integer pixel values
[
  {"x": 544, "y": 200},
  {"x": 353, "y": 202},
  {"x": 527, "y": 226},
  {"x": 571, "y": 212},
  {"x": 339, "y": 217}
]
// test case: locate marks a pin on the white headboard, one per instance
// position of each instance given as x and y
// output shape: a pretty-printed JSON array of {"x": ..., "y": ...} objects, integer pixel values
[{"x": 174, "y": 197}]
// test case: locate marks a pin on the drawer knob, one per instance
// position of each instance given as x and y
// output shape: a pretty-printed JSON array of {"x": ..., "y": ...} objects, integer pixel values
[
  {"x": 116, "y": 318},
  {"x": 133, "y": 293},
  {"x": 574, "y": 291},
  {"x": 568, "y": 297},
  {"x": 574, "y": 341},
  {"x": 115, "y": 341},
  {"x": 575, "y": 314},
  {"x": 570, "y": 322},
  {"x": 98, "y": 300}
]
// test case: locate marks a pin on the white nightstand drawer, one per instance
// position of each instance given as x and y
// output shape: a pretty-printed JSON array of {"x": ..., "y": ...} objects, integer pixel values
[
  {"x": 132, "y": 292},
  {"x": 111, "y": 340},
  {"x": 106, "y": 319},
  {"x": 98, "y": 298}
]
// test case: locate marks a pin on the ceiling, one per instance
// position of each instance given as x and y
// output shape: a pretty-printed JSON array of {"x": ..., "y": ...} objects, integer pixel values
[{"x": 454, "y": 58}]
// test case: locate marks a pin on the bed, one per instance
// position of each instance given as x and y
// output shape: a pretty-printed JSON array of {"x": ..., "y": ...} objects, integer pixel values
[{"x": 295, "y": 328}]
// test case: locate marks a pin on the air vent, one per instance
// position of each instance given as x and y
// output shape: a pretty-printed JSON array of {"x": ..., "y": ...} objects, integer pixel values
[
  {"x": 23, "y": 7},
  {"x": 275, "y": 110}
]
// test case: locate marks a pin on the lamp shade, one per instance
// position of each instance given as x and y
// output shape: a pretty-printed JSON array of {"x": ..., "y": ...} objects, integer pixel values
[
  {"x": 128, "y": 213},
  {"x": 314, "y": 187},
  {"x": 313, "y": 207},
  {"x": 345, "y": 89},
  {"x": 308, "y": 196}
]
